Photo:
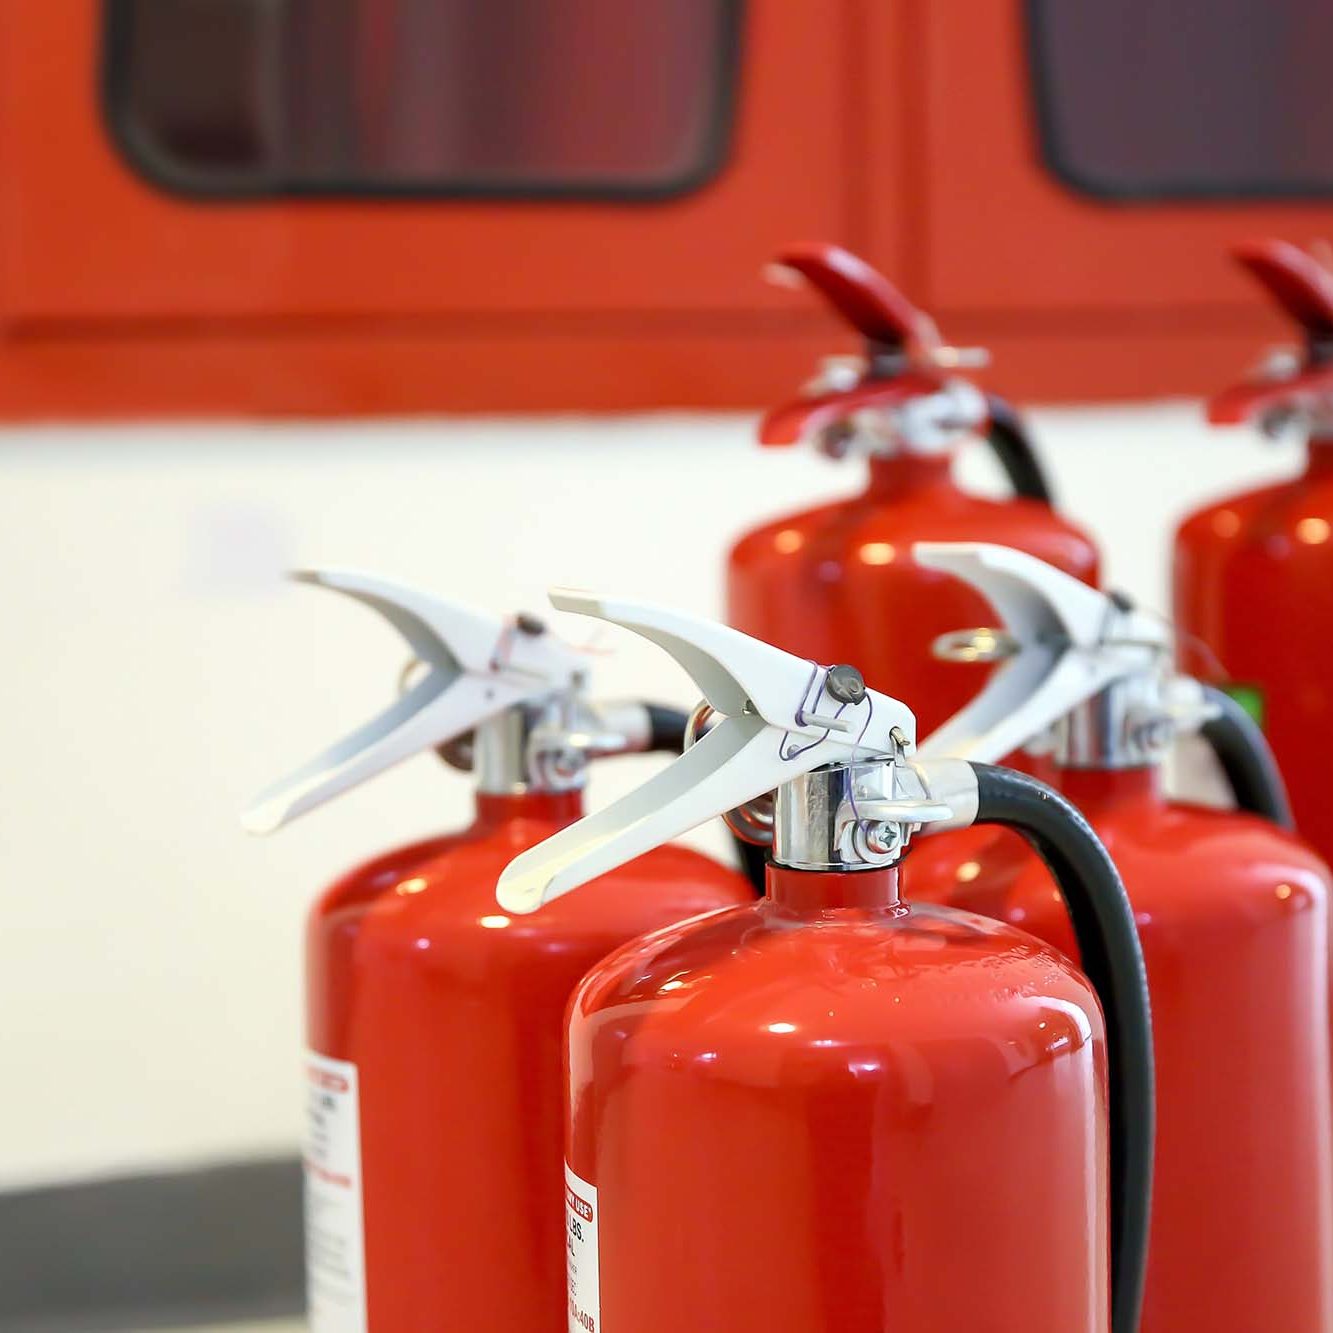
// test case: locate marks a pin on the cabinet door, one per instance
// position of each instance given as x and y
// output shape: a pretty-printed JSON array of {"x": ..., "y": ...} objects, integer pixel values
[
  {"x": 262, "y": 160},
  {"x": 1084, "y": 157}
]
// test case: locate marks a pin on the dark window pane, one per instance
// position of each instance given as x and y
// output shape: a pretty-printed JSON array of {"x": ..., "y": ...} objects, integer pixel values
[
  {"x": 1149, "y": 99},
  {"x": 448, "y": 96}
]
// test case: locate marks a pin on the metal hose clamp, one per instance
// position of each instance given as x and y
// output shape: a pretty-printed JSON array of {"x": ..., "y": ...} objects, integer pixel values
[{"x": 751, "y": 822}]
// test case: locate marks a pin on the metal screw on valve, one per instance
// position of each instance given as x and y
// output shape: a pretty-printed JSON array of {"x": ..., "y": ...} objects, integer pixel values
[{"x": 874, "y": 839}]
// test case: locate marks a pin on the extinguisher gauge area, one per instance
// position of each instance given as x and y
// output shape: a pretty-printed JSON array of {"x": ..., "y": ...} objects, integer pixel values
[
  {"x": 849, "y": 792},
  {"x": 836, "y": 755}
]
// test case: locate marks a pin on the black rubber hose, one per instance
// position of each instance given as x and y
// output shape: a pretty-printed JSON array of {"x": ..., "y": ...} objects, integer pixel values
[
  {"x": 1008, "y": 436},
  {"x": 754, "y": 862},
  {"x": 666, "y": 728},
  {"x": 1246, "y": 759},
  {"x": 1108, "y": 943}
]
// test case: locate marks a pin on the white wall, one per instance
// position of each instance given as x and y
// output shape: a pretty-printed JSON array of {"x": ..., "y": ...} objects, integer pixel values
[{"x": 156, "y": 675}]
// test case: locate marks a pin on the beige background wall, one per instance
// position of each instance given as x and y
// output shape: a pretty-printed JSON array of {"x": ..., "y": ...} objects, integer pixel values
[{"x": 155, "y": 674}]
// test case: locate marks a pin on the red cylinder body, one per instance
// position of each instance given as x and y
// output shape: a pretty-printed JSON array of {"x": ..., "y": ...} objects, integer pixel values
[
  {"x": 838, "y": 584},
  {"x": 452, "y": 1013},
  {"x": 830, "y": 1110},
  {"x": 1254, "y": 583},
  {"x": 1232, "y": 915}
]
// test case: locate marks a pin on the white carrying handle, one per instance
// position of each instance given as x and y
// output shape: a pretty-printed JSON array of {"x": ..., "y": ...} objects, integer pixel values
[
  {"x": 477, "y": 665},
  {"x": 1072, "y": 642},
  {"x": 780, "y": 719}
]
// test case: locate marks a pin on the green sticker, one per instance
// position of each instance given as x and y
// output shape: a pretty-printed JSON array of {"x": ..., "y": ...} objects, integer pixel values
[{"x": 1250, "y": 698}]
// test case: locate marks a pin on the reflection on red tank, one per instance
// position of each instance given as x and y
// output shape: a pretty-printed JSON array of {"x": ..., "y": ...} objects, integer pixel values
[
  {"x": 826, "y": 1110},
  {"x": 1254, "y": 599},
  {"x": 452, "y": 1012},
  {"x": 1254, "y": 573},
  {"x": 1232, "y": 914}
]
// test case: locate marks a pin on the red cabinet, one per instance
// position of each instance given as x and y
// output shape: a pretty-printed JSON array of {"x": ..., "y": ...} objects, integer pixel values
[
  {"x": 223, "y": 206},
  {"x": 1084, "y": 286}
]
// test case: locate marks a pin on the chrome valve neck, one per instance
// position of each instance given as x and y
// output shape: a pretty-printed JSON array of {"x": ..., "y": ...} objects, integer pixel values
[
  {"x": 548, "y": 746},
  {"x": 854, "y": 816},
  {"x": 1124, "y": 726}
]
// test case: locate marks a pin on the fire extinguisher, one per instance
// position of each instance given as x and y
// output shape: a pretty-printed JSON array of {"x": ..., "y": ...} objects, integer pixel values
[
  {"x": 834, "y": 1109},
  {"x": 1232, "y": 915},
  {"x": 1254, "y": 572},
  {"x": 434, "y": 1147},
  {"x": 838, "y": 583}
]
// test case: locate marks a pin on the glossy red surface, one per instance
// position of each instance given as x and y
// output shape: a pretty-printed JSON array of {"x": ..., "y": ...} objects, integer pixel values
[
  {"x": 1254, "y": 583},
  {"x": 1298, "y": 281},
  {"x": 453, "y": 1013},
  {"x": 804, "y": 417},
  {"x": 838, "y": 584},
  {"x": 833, "y": 1110},
  {"x": 1232, "y": 915},
  {"x": 1254, "y": 399},
  {"x": 862, "y": 296}
]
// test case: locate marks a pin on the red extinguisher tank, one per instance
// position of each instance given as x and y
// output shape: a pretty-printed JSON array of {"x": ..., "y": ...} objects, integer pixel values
[
  {"x": 1254, "y": 572},
  {"x": 830, "y": 1110},
  {"x": 1231, "y": 910},
  {"x": 434, "y": 1018},
  {"x": 1232, "y": 916},
  {"x": 833, "y": 1109},
  {"x": 837, "y": 583},
  {"x": 451, "y": 1011}
]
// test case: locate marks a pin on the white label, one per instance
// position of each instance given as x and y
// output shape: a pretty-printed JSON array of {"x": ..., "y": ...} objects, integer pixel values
[
  {"x": 335, "y": 1253},
  {"x": 585, "y": 1292}
]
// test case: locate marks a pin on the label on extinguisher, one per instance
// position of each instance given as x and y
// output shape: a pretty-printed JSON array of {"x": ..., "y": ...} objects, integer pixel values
[
  {"x": 335, "y": 1253},
  {"x": 585, "y": 1291}
]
